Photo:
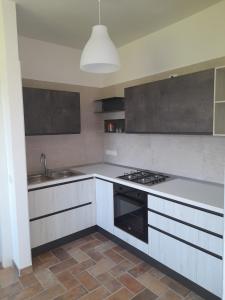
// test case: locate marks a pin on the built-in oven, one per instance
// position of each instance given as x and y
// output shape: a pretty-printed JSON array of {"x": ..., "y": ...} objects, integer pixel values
[{"x": 130, "y": 211}]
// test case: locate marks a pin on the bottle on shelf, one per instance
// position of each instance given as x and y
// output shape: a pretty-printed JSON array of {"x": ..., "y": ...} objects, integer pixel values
[{"x": 110, "y": 127}]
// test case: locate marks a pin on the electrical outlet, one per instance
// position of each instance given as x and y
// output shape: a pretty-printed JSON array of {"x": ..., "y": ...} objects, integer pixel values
[{"x": 111, "y": 152}]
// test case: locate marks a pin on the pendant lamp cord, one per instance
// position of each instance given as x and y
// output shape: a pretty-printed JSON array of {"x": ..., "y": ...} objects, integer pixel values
[{"x": 99, "y": 12}]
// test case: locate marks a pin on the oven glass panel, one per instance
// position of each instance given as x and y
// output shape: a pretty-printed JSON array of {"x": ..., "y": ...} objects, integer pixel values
[{"x": 130, "y": 211}]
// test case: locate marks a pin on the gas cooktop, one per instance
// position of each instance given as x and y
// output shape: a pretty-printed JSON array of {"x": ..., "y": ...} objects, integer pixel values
[{"x": 144, "y": 177}]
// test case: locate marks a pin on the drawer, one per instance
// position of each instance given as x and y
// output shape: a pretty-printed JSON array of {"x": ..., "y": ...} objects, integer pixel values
[
  {"x": 52, "y": 199},
  {"x": 51, "y": 228},
  {"x": 202, "y": 219},
  {"x": 172, "y": 253},
  {"x": 201, "y": 268},
  {"x": 194, "y": 236}
]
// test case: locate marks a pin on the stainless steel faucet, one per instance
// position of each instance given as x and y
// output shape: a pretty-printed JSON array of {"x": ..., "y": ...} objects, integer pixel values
[{"x": 43, "y": 161}]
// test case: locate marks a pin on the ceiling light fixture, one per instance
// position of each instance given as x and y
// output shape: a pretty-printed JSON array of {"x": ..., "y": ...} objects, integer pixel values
[{"x": 99, "y": 54}]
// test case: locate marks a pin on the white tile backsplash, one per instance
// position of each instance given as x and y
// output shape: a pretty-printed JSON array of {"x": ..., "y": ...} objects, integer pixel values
[{"x": 199, "y": 157}]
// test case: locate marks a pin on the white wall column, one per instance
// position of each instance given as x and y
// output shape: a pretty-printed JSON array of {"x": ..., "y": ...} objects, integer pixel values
[
  {"x": 5, "y": 226},
  {"x": 14, "y": 218}
]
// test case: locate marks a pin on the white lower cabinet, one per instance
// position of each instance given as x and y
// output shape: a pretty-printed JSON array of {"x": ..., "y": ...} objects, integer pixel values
[
  {"x": 188, "y": 241},
  {"x": 51, "y": 228},
  {"x": 55, "y": 198},
  {"x": 185, "y": 239},
  {"x": 58, "y": 211},
  {"x": 209, "y": 273},
  {"x": 201, "y": 268},
  {"x": 104, "y": 205},
  {"x": 172, "y": 253}
]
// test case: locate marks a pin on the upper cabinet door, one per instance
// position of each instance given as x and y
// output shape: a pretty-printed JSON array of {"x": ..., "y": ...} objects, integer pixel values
[
  {"x": 182, "y": 105},
  {"x": 51, "y": 112},
  {"x": 36, "y": 115},
  {"x": 65, "y": 112}
]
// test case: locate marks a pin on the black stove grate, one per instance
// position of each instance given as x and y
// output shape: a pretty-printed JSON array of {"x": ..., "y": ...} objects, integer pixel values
[{"x": 144, "y": 177}]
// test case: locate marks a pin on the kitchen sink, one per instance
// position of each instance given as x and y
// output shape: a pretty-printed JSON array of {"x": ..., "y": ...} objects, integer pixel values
[
  {"x": 63, "y": 174},
  {"x": 39, "y": 178}
]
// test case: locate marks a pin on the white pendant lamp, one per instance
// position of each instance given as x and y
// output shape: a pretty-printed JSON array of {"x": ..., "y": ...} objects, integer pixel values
[{"x": 100, "y": 54}]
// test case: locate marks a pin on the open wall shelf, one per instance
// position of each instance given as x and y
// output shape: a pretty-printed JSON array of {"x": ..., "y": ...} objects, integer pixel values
[
  {"x": 114, "y": 126},
  {"x": 113, "y": 111},
  {"x": 220, "y": 84},
  {"x": 115, "y": 104},
  {"x": 219, "y": 102}
]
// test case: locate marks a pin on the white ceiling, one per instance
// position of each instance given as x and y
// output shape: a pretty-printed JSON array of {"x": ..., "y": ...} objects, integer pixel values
[{"x": 69, "y": 22}]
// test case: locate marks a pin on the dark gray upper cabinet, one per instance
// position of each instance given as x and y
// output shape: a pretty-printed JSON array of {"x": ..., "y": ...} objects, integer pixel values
[
  {"x": 181, "y": 105},
  {"x": 49, "y": 112}
]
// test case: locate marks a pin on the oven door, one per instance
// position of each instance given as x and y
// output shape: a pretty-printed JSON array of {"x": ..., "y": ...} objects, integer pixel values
[{"x": 130, "y": 211}]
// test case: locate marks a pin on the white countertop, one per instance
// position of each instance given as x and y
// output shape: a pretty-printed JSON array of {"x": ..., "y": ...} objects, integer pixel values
[
  {"x": 201, "y": 194},
  {"x": 207, "y": 195},
  {"x": 108, "y": 170}
]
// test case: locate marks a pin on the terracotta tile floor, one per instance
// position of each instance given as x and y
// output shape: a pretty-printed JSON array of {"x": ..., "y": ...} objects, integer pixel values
[{"x": 91, "y": 268}]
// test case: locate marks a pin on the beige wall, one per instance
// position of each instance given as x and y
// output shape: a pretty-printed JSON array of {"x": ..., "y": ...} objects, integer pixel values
[
  {"x": 192, "y": 40},
  {"x": 55, "y": 63},
  {"x": 72, "y": 149}
]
